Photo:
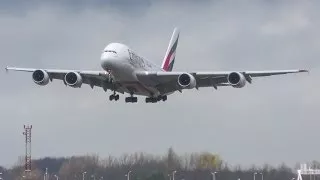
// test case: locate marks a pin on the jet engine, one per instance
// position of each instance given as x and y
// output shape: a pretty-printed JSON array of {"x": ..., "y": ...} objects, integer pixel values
[
  {"x": 187, "y": 81},
  {"x": 73, "y": 79},
  {"x": 236, "y": 79},
  {"x": 40, "y": 77}
]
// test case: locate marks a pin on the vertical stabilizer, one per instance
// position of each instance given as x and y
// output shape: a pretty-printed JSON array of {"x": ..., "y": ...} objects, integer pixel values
[{"x": 170, "y": 56}]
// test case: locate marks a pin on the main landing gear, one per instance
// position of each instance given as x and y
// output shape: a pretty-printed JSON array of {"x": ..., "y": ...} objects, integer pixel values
[
  {"x": 114, "y": 96},
  {"x": 156, "y": 99},
  {"x": 131, "y": 99}
]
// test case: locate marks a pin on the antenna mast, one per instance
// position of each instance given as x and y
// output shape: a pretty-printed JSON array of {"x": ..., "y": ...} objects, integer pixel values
[{"x": 27, "y": 134}]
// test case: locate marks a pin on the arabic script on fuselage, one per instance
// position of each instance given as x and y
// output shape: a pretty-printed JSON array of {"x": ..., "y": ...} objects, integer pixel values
[{"x": 138, "y": 61}]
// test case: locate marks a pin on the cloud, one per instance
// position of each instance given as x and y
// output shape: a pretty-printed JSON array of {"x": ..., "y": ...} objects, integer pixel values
[{"x": 259, "y": 123}]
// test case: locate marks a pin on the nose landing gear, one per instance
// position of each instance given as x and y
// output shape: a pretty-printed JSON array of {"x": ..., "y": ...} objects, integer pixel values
[{"x": 113, "y": 96}]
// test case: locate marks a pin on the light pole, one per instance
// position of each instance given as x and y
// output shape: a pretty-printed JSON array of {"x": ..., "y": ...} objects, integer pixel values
[
  {"x": 128, "y": 175},
  {"x": 169, "y": 176},
  {"x": 45, "y": 177},
  {"x": 214, "y": 175},
  {"x": 261, "y": 176},
  {"x": 57, "y": 178},
  {"x": 94, "y": 177},
  {"x": 83, "y": 174},
  {"x": 173, "y": 173},
  {"x": 1, "y": 176},
  {"x": 254, "y": 176}
]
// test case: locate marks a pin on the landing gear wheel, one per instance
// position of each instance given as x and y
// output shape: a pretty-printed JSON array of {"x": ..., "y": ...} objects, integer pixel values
[
  {"x": 134, "y": 99},
  {"x": 114, "y": 97},
  {"x": 164, "y": 98},
  {"x": 131, "y": 99},
  {"x": 153, "y": 99},
  {"x": 111, "y": 97}
]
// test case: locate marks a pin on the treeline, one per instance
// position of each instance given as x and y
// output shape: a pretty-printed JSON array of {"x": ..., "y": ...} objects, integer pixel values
[{"x": 194, "y": 166}]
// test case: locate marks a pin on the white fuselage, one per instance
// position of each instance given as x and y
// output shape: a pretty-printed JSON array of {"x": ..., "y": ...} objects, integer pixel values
[{"x": 123, "y": 64}]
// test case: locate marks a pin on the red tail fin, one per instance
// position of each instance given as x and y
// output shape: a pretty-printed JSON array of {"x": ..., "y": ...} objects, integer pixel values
[{"x": 170, "y": 56}]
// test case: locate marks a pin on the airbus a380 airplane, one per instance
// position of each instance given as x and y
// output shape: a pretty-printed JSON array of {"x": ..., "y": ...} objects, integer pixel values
[{"x": 126, "y": 72}]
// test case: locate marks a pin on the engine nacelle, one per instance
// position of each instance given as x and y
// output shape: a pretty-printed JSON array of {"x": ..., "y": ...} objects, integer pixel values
[
  {"x": 237, "y": 79},
  {"x": 40, "y": 77},
  {"x": 73, "y": 79},
  {"x": 187, "y": 81}
]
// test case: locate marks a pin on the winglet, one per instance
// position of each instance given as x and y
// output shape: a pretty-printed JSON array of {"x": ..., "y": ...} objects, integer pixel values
[{"x": 304, "y": 70}]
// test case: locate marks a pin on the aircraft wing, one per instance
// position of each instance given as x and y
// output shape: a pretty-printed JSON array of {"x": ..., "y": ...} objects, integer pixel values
[
  {"x": 168, "y": 81},
  {"x": 92, "y": 78}
]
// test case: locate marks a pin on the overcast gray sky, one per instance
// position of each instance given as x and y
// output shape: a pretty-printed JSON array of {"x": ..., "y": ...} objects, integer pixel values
[{"x": 274, "y": 120}]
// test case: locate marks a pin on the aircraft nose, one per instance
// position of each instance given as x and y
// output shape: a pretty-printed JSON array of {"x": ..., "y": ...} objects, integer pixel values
[{"x": 107, "y": 60}]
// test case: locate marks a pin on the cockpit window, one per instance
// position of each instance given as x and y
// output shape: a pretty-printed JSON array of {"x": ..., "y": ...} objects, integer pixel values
[{"x": 110, "y": 51}]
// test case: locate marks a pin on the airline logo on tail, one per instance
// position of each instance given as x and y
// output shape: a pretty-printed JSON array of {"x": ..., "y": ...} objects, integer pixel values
[{"x": 170, "y": 56}]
